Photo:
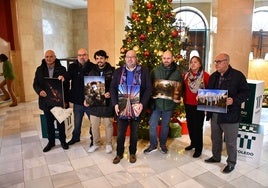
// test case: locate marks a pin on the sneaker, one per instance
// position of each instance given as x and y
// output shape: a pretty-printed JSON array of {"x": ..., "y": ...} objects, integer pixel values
[
  {"x": 149, "y": 150},
  {"x": 109, "y": 149},
  {"x": 92, "y": 149},
  {"x": 164, "y": 149}
]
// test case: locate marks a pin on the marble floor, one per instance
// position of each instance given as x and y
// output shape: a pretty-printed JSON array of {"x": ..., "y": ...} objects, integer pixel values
[{"x": 24, "y": 165}]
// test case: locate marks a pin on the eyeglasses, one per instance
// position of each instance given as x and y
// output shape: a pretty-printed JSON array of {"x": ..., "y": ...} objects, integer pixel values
[
  {"x": 219, "y": 61},
  {"x": 130, "y": 57},
  {"x": 80, "y": 55}
]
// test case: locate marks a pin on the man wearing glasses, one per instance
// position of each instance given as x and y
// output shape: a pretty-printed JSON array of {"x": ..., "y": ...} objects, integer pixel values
[
  {"x": 76, "y": 72},
  {"x": 227, "y": 78}
]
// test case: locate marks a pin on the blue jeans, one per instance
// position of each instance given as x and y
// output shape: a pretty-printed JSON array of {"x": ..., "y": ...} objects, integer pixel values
[
  {"x": 154, "y": 119},
  {"x": 79, "y": 111}
]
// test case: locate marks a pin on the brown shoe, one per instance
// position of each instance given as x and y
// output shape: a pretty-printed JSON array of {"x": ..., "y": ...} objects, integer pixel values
[
  {"x": 13, "y": 104},
  {"x": 117, "y": 159},
  {"x": 6, "y": 98},
  {"x": 132, "y": 158}
]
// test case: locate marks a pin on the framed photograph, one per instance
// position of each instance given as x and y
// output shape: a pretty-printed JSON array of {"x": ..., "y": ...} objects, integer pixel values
[
  {"x": 95, "y": 90},
  {"x": 212, "y": 100},
  {"x": 167, "y": 89},
  {"x": 128, "y": 97},
  {"x": 54, "y": 90}
]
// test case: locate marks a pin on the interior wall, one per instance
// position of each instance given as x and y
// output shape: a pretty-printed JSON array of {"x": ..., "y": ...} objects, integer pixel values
[
  {"x": 57, "y": 29},
  {"x": 80, "y": 30}
]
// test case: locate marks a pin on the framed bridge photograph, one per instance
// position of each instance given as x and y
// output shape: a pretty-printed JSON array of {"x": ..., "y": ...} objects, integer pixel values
[{"x": 212, "y": 100}]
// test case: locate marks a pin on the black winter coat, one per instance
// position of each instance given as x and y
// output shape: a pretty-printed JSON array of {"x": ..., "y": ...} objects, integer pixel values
[
  {"x": 107, "y": 72},
  {"x": 39, "y": 82},
  {"x": 75, "y": 74},
  {"x": 236, "y": 84}
]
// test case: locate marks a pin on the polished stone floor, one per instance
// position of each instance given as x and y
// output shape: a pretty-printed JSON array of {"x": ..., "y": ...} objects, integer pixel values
[{"x": 24, "y": 165}]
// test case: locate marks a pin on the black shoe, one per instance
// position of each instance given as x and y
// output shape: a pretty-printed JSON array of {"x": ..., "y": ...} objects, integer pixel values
[
  {"x": 228, "y": 169},
  {"x": 196, "y": 154},
  {"x": 164, "y": 149},
  {"x": 212, "y": 160},
  {"x": 189, "y": 148},
  {"x": 72, "y": 141},
  {"x": 117, "y": 159},
  {"x": 64, "y": 145},
  {"x": 149, "y": 150},
  {"x": 48, "y": 147}
]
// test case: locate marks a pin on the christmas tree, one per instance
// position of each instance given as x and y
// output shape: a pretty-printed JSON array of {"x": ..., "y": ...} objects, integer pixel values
[{"x": 151, "y": 31}]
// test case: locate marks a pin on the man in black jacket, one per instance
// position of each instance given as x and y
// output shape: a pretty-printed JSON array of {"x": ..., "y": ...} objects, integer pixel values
[
  {"x": 76, "y": 72},
  {"x": 227, "y": 78},
  {"x": 98, "y": 112},
  {"x": 50, "y": 68},
  {"x": 131, "y": 74}
]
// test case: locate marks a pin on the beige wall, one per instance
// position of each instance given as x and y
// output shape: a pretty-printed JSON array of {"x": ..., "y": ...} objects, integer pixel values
[
  {"x": 30, "y": 42},
  {"x": 58, "y": 30},
  {"x": 80, "y": 30},
  {"x": 69, "y": 29},
  {"x": 27, "y": 17}
]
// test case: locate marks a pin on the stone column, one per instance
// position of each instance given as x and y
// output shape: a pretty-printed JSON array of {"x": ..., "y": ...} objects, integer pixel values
[
  {"x": 28, "y": 35},
  {"x": 234, "y": 31},
  {"x": 106, "y": 27}
]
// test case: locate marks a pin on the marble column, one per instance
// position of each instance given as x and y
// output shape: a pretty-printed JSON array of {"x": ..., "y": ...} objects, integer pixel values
[
  {"x": 106, "y": 23},
  {"x": 233, "y": 31},
  {"x": 28, "y": 35}
]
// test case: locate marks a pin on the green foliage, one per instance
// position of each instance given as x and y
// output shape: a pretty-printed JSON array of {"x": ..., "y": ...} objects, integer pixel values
[{"x": 150, "y": 32}]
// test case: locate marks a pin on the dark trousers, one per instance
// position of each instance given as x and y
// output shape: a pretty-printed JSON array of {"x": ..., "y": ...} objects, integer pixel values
[
  {"x": 195, "y": 120},
  {"x": 51, "y": 128},
  {"x": 121, "y": 136}
]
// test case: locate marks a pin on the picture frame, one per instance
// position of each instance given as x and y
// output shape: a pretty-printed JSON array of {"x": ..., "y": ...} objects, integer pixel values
[
  {"x": 55, "y": 93},
  {"x": 128, "y": 97},
  {"x": 212, "y": 100},
  {"x": 167, "y": 89},
  {"x": 94, "y": 90}
]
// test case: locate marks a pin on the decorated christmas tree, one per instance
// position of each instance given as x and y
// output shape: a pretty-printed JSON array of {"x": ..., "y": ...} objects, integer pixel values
[{"x": 151, "y": 31}]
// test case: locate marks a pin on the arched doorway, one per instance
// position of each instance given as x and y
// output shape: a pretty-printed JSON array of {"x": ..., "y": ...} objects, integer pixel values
[{"x": 194, "y": 24}]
